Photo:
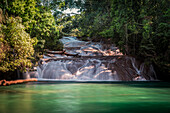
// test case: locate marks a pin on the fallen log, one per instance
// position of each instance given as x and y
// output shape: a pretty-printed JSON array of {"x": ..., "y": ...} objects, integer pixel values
[
  {"x": 60, "y": 52},
  {"x": 55, "y": 52},
  {"x": 72, "y": 48},
  {"x": 6, "y": 83},
  {"x": 50, "y": 55},
  {"x": 75, "y": 55}
]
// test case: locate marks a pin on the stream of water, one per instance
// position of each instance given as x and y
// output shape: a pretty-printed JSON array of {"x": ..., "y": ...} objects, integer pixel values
[{"x": 93, "y": 61}]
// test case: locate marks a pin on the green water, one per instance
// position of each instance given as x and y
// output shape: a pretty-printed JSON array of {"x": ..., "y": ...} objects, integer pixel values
[{"x": 125, "y": 97}]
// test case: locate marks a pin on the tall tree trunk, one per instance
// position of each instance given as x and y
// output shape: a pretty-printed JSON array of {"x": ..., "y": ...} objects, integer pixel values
[{"x": 126, "y": 40}]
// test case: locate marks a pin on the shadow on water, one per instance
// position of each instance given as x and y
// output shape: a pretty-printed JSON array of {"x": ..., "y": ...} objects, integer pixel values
[
  {"x": 145, "y": 84},
  {"x": 157, "y": 84},
  {"x": 127, "y": 107}
]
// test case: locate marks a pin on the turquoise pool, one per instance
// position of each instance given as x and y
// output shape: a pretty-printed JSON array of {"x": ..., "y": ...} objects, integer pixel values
[{"x": 119, "y": 97}]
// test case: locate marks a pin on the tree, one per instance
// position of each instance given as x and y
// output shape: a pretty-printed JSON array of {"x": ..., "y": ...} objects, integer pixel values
[
  {"x": 26, "y": 9},
  {"x": 16, "y": 46},
  {"x": 46, "y": 30}
]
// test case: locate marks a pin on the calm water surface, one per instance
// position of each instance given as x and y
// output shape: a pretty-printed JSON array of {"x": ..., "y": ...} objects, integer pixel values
[{"x": 123, "y": 97}]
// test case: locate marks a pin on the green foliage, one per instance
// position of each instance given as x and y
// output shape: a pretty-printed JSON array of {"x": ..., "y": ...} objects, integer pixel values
[
  {"x": 38, "y": 21},
  {"x": 45, "y": 29},
  {"x": 139, "y": 28},
  {"x": 26, "y": 9},
  {"x": 69, "y": 25},
  {"x": 96, "y": 19},
  {"x": 27, "y": 18},
  {"x": 16, "y": 46}
]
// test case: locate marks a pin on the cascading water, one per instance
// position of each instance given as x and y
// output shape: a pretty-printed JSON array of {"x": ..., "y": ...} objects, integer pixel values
[{"x": 92, "y": 61}]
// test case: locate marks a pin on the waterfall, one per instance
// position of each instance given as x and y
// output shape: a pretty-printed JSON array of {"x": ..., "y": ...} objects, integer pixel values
[{"x": 95, "y": 62}]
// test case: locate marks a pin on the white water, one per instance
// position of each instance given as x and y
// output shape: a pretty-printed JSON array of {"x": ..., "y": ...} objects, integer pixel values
[
  {"x": 97, "y": 67},
  {"x": 91, "y": 69}
]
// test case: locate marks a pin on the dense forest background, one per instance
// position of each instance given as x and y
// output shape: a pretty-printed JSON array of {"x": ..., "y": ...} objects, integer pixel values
[{"x": 139, "y": 28}]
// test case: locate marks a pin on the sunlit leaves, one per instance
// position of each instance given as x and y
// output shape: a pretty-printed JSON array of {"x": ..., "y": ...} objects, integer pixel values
[
  {"x": 26, "y": 9},
  {"x": 20, "y": 44},
  {"x": 45, "y": 29}
]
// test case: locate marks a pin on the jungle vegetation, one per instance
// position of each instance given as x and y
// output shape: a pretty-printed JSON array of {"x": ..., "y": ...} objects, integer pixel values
[{"x": 138, "y": 27}]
